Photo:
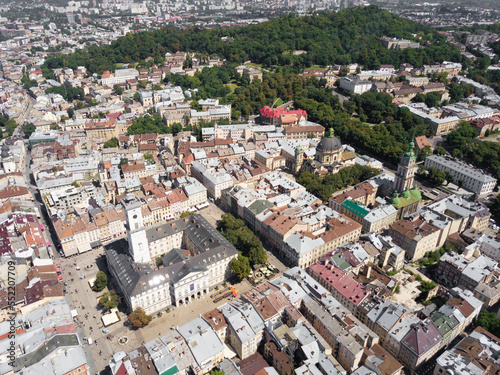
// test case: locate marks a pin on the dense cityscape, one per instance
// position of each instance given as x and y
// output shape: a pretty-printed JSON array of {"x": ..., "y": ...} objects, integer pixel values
[{"x": 249, "y": 187}]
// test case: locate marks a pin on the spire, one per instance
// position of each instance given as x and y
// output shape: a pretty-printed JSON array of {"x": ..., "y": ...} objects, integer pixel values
[
  {"x": 330, "y": 133},
  {"x": 410, "y": 153}
]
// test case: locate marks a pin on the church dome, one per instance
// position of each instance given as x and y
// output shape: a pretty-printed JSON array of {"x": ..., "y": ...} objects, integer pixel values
[
  {"x": 330, "y": 143},
  {"x": 416, "y": 194},
  {"x": 396, "y": 202}
]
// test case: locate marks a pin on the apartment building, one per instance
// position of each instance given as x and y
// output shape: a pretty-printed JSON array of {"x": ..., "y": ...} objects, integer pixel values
[
  {"x": 345, "y": 348},
  {"x": 102, "y": 130},
  {"x": 204, "y": 345},
  {"x": 420, "y": 344},
  {"x": 416, "y": 236},
  {"x": 344, "y": 288},
  {"x": 245, "y": 327},
  {"x": 119, "y": 76},
  {"x": 473, "y": 179},
  {"x": 304, "y": 249},
  {"x": 304, "y": 132},
  {"x": 461, "y": 360}
]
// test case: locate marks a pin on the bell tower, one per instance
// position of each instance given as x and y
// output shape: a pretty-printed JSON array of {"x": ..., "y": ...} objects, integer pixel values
[
  {"x": 298, "y": 159},
  {"x": 407, "y": 168},
  {"x": 138, "y": 245}
]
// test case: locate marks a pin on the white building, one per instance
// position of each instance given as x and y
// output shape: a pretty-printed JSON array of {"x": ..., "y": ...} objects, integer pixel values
[
  {"x": 474, "y": 180},
  {"x": 119, "y": 76},
  {"x": 355, "y": 84}
]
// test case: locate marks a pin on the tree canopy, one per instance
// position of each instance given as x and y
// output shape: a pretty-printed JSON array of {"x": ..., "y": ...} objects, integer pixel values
[
  {"x": 101, "y": 281},
  {"x": 242, "y": 238},
  {"x": 324, "y": 187},
  {"x": 139, "y": 318},
  {"x": 349, "y": 36},
  {"x": 109, "y": 300}
]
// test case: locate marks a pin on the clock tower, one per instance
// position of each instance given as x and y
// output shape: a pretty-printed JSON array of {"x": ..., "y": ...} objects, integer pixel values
[
  {"x": 407, "y": 168},
  {"x": 136, "y": 233}
]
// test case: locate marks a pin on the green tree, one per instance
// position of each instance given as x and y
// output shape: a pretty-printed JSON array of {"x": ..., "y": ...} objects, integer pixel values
[
  {"x": 139, "y": 318},
  {"x": 109, "y": 300},
  {"x": 101, "y": 281},
  {"x": 495, "y": 207},
  {"x": 123, "y": 161},
  {"x": 216, "y": 372},
  {"x": 242, "y": 238},
  {"x": 195, "y": 105},
  {"x": 433, "y": 99},
  {"x": 460, "y": 183},
  {"x": 118, "y": 89},
  {"x": 113, "y": 142},
  {"x": 435, "y": 176},
  {"x": 28, "y": 129},
  {"x": 489, "y": 322},
  {"x": 186, "y": 214},
  {"x": 137, "y": 97},
  {"x": 241, "y": 266},
  {"x": 439, "y": 150},
  {"x": 448, "y": 177},
  {"x": 71, "y": 112}
]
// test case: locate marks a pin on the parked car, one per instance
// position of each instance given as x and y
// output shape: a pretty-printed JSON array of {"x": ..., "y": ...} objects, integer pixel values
[
  {"x": 82, "y": 276},
  {"x": 105, "y": 330}
]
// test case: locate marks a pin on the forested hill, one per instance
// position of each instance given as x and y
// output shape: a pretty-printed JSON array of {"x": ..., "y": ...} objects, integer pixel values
[{"x": 349, "y": 36}]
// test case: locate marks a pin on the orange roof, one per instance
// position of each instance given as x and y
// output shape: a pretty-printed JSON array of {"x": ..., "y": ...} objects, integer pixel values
[{"x": 422, "y": 142}]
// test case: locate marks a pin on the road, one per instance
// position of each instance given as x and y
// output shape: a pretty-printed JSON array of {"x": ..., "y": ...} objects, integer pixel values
[
  {"x": 39, "y": 206},
  {"x": 342, "y": 98},
  {"x": 18, "y": 131}
]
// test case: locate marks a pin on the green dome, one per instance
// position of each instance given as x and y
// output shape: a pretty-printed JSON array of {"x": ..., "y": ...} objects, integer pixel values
[
  {"x": 396, "y": 202},
  {"x": 416, "y": 194},
  {"x": 298, "y": 150},
  {"x": 405, "y": 194}
]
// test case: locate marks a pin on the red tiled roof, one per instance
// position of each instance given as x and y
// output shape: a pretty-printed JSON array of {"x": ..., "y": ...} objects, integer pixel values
[
  {"x": 337, "y": 279},
  {"x": 269, "y": 112}
]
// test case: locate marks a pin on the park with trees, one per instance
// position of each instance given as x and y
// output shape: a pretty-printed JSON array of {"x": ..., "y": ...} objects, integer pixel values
[{"x": 251, "y": 251}]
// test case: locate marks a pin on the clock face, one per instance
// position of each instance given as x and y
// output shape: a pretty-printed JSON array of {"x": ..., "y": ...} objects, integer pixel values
[{"x": 134, "y": 217}]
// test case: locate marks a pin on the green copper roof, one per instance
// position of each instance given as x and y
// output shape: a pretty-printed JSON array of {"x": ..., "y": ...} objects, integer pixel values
[
  {"x": 444, "y": 324},
  {"x": 355, "y": 207},
  {"x": 258, "y": 206},
  {"x": 330, "y": 133},
  {"x": 340, "y": 262},
  {"x": 407, "y": 197},
  {"x": 416, "y": 194},
  {"x": 171, "y": 371},
  {"x": 410, "y": 153}
]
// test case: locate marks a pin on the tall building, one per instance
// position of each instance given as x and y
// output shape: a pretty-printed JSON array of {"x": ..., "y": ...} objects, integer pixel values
[
  {"x": 136, "y": 233},
  {"x": 406, "y": 170},
  {"x": 298, "y": 159}
]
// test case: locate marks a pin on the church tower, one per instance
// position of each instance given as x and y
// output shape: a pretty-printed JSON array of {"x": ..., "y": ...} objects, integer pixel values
[
  {"x": 136, "y": 233},
  {"x": 406, "y": 170},
  {"x": 298, "y": 160}
]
